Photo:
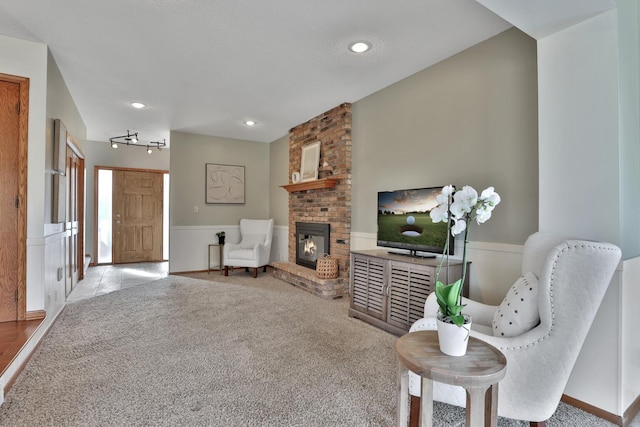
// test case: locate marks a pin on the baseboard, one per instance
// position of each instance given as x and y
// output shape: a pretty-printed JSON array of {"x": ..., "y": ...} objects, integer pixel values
[
  {"x": 600, "y": 413},
  {"x": 24, "y": 362},
  {"x": 181, "y": 273},
  {"x": 631, "y": 412},
  {"x": 36, "y": 315},
  {"x": 217, "y": 270}
]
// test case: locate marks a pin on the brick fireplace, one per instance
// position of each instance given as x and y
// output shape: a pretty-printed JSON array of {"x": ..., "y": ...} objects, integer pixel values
[{"x": 325, "y": 201}]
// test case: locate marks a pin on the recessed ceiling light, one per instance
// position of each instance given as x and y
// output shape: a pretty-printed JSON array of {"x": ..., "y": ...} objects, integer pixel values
[
  {"x": 250, "y": 122},
  {"x": 137, "y": 104},
  {"x": 359, "y": 47}
]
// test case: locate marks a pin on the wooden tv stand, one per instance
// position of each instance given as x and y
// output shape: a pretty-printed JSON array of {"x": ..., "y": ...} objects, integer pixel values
[{"x": 389, "y": 290}]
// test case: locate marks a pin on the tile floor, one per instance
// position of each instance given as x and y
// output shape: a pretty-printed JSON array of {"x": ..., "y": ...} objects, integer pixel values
[{"x": 102, "y": 279}]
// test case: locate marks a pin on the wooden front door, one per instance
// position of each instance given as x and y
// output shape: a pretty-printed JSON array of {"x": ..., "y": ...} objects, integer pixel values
[
  {"x": 14, "y": 114},
  {"x": 9, "y": 125},
  {"x": 137, "y": 216}
]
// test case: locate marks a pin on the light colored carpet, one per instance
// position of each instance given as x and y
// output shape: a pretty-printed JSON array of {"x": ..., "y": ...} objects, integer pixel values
[{"x": 187, "y": 352}]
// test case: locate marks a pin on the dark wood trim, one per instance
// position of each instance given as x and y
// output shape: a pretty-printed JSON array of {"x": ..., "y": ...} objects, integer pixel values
[
  {"x": 414, "y": 411},
  {"x": 36, "y": 315},
  {"x": 600, "y": 413},
  {"x": 631, "y": 412},
  {"x": 186, "y": 273},
  {"x": 73, "y": 144},
  {"x": 95, "y": 215},
  {"x": 15, "y": 335},
  {"x": 624, "y": 421},
  {"x": 117, "y": 168},
  {"x": 23, "y": 141},
  {"x": 81, "y": 215},
  {"x": 311, "y": 185}
]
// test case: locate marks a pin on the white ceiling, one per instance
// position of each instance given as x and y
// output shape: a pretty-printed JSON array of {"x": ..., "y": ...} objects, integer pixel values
[{"x": 204, "y": 66}]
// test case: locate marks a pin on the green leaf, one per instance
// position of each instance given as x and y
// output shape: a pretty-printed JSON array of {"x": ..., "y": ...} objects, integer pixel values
[
  {"x": 448, "y": 297},
  {"x": 458, "y": 320}
]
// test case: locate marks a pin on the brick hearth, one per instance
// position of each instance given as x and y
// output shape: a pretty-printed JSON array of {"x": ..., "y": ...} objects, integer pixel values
[
  {"x": 325, "y": 205},
  {"x": 305, "y": 278}
]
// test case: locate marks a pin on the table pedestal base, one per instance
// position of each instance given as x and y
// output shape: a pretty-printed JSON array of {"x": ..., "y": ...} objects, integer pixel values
[{"x": 420, "y": 353}]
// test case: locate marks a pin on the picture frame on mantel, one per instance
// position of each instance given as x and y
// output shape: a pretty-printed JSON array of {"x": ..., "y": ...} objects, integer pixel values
[{"x": 310, "y": 161}]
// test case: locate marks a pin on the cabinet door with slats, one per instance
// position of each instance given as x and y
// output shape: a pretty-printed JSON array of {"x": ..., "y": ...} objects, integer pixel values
[
  {"x": 367, "y": 285},
  {"x": 409, "y": 287}
]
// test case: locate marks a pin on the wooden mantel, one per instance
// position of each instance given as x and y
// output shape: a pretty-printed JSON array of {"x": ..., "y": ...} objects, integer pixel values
[{"x": 311, "y": 185}]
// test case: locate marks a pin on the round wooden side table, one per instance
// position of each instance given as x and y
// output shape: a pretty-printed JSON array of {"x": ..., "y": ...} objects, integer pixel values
[{"x": 478, "y": 371}]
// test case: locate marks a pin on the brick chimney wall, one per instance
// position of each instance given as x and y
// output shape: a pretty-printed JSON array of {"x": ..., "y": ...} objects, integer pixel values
[{"x": 328, "y": 205}]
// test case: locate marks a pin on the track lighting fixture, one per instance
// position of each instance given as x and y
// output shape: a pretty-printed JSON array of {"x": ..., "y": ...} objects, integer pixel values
[{"x": 131, "y": 139}]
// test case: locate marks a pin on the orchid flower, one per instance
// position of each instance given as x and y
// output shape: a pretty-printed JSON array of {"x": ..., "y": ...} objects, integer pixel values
[{"x": 466, "y": 206}]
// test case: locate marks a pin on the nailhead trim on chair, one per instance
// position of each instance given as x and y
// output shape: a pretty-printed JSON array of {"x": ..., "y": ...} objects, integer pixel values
[{"x": 551, "y": 281}]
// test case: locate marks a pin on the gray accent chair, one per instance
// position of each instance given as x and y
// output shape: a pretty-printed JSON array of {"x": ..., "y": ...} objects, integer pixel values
[{"x": 573, "y": 276}]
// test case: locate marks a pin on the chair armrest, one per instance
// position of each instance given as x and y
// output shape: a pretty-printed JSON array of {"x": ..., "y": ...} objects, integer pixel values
[
  {"x": 262, "y": 253},
  {"x": 482, "y": 314},
  {"x": 424, "y": 324},
  {"x": 431, "y": 305}
]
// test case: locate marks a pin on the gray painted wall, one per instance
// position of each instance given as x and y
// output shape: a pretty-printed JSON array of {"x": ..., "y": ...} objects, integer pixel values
[
  {"x": 190, "y": 153},
  {"x": 279, "y": 175},
  {"x": 468, "y": 120},
  {"x": 60, "y": 105}
]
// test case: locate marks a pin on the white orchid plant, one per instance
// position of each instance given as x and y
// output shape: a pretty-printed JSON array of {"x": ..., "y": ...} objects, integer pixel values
[{"x": 458, "y": 208}]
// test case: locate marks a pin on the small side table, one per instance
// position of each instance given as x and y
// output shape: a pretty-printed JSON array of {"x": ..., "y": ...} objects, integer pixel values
[
  {"x": 478, "y": 371},
  {"x": 220, "y": 259}
]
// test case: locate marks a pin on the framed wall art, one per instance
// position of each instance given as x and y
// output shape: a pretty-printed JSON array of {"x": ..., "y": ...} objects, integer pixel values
[
  {"x": 59, "y": 147},
  {"x": 58, "y": 198},
  {"x": 224, "y": 184},
  {"x": 310, "y": 160}
]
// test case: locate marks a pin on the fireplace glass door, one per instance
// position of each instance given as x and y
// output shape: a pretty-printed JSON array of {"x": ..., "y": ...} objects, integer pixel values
[{"x": 312, "y": 241}]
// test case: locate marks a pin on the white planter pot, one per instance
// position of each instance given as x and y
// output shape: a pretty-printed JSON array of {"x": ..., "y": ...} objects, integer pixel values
[{"x": 453, "y": 339}]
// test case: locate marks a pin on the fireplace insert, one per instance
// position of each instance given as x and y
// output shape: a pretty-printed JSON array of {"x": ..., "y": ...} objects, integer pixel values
[{"x": 312, "y": 241}]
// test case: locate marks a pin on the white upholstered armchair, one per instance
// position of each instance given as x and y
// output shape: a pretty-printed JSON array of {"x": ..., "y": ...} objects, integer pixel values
[
  {"x": 254, "y": 248},
  {"x": 540, "y": 326}
]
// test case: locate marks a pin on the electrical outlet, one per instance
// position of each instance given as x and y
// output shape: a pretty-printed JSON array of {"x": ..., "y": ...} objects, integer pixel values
[{"x": 196, "y": 209}]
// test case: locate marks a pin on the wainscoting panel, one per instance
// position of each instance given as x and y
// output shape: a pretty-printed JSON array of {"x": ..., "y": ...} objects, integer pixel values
[{"x": 188, "y": 245}]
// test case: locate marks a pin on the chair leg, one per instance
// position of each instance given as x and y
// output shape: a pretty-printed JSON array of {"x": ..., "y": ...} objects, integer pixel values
[
  {"x": 414, "y": 411},
  {"x": 255, "y": 272},
  {"x": 226, "y": 270},
  {"x": 264, "y": 269},
  {"x": 538, "y": 424}
]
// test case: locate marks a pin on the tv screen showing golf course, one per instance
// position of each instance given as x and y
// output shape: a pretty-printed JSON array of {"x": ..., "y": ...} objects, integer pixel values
[{"x": 404, "y": 221}]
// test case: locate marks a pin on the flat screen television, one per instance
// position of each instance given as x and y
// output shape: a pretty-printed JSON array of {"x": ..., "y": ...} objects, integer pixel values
[{"x": 404, "y": 222}]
